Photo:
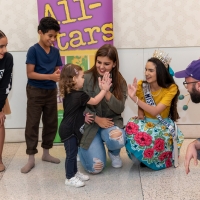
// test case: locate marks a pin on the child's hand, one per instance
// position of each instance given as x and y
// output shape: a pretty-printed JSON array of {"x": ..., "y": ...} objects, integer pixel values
[
  {"x": 106, "y": 82},
  {"x": 89, "y": 118},
  {"x": 55, "y": 76},
  {"x": 105, "y": 77},
  {"x": 132, "y": 89}
]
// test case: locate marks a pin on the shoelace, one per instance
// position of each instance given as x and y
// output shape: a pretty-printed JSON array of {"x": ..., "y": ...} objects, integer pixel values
[
  {"x": 116, "y": 157},
  {"x": 76, "y": 180}
]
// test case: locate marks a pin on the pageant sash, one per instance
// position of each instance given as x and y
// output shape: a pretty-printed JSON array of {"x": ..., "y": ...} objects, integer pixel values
[{"x": 173, "y": 130}]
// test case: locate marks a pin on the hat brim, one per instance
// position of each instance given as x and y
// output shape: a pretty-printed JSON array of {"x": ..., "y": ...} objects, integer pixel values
[{"x": 181, "y": 74}]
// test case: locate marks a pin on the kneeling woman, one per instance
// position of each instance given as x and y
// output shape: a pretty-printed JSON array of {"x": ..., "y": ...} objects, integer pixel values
[{"x": 152, "y": 136}]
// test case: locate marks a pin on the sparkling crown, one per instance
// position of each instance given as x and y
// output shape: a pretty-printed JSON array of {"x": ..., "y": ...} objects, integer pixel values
[{"x": 162, "y": 56}]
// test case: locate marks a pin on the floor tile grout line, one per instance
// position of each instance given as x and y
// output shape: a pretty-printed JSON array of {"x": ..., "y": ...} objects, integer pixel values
[{"x": 140, "y": 180}]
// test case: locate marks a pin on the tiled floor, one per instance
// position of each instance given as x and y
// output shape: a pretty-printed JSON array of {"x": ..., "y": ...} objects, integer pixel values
[{"x": 46, "y": 180}]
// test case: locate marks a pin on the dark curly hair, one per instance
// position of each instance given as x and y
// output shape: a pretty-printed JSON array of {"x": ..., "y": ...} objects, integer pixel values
[
  {"x": 66, "y": 83},
  {"x": 48, "y": 23},
  {"x": 2, "y": 34}
]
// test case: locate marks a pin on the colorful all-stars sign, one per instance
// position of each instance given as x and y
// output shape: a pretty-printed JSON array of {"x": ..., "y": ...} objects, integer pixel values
[{"x": 85, "y": 24}]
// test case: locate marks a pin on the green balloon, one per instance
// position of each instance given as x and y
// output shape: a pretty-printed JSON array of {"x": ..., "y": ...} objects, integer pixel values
[
  {"x": 181, "y": 97},
  {"x": 185, "y": 107}
]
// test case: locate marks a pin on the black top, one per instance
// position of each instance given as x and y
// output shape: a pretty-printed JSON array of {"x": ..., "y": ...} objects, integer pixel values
[
  {"x": 6, "y": 67},
  {"x": 74, "y": 105}
]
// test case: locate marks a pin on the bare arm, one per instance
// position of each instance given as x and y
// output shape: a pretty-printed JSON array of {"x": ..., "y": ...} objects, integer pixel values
[
  {"x": 140, "y": 113},
  {"x": 97, "y": 98},
  {"x": 34, "y": 75},
  {"x": 153, "y": 110}
]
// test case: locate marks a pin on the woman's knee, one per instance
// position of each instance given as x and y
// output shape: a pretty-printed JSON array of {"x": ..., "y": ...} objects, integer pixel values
[
  {"x": 98, "y": 166},
  {"x": 118, "y": 135}
]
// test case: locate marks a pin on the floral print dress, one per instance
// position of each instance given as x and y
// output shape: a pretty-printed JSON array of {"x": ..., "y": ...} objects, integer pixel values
[{"x": 149, "y": 140}]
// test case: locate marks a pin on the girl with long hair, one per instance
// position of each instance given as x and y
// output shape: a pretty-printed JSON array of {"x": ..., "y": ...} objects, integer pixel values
[
  {"x": 107, "y": 126},
  {"x": 152, "y": 136}
]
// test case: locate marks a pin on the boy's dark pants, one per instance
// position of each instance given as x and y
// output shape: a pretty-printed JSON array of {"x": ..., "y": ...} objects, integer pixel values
[
  {"x": 71, "y": 149},
  {"x": 40, "y": 102}
]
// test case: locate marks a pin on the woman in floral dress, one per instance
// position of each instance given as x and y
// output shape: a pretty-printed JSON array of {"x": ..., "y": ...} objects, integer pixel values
[{"x": 148, "y": 139}]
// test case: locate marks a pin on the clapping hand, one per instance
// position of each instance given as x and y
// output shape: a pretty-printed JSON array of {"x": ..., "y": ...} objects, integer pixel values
[
  {"x": 55, "y": 76},
  {"x": 132, "y": 89},
  {"x": 106, "y": 82}
]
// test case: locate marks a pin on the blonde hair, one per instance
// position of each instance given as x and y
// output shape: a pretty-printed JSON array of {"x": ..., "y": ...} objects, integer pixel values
[{"x": 66, "y": 83}]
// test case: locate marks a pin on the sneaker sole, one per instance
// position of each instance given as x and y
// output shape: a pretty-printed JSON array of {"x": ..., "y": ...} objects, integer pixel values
[
  {"x": 84, "y": 179},
  {"x": 75, "y": 185},
  {"x": 117, "y": 166}
]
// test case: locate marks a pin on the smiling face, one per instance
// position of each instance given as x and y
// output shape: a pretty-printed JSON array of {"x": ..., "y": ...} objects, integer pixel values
[
  {"x": 3, "y": 46},
  {"x": 48, "y": 39},
  {"x": 104, "y": 64},
  {"x": 79, "y": 80},
  {"x": 150, "y": 72}
]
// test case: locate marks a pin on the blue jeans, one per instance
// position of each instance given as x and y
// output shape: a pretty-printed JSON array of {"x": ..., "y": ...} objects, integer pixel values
[
  {"x": 71, "y": 149},
  {"x": 96, "y": 153}
]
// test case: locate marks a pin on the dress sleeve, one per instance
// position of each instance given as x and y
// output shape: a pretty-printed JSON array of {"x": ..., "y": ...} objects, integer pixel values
[
  {"x": 169, "y": 95},
  {"x": 139, "y": 92}
]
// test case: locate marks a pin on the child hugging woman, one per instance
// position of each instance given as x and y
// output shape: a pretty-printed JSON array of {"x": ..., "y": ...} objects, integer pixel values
[{"x": 72, "y": 125}]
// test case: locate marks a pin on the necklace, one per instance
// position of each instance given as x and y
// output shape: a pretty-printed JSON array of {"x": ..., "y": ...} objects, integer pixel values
[{"x": 155, "y": 95}]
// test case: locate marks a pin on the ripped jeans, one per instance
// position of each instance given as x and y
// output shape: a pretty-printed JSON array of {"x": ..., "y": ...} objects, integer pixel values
[{"x": 96, "y": 153}]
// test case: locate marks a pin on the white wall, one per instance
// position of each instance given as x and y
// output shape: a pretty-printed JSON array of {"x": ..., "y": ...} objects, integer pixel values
[
  {"x": 138, "y": 26},
  {"x": 132, "y": 63}
]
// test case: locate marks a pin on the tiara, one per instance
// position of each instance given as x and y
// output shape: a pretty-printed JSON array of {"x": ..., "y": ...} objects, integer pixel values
[{"x": 162, "y": 56}]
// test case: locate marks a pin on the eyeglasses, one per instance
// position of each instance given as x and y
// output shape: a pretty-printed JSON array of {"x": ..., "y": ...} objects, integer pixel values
[{"x": 186, "y": 83}]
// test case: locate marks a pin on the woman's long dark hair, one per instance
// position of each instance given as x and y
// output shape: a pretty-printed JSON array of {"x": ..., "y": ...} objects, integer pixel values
[
  {"x": 109, "y": 51},
  {"x": 165, "y": 80},
  {"x": 2, "y": 34}
]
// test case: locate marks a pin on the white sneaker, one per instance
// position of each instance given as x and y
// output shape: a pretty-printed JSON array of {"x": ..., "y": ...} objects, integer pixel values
[
  {"x": 116, "y": 160},
  {"x": 74, "y": 181},
  {"x": 82, "y": 177}
]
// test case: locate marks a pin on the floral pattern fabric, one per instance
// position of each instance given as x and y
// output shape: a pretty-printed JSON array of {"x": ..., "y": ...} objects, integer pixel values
[{"x": 151, "y": 142}]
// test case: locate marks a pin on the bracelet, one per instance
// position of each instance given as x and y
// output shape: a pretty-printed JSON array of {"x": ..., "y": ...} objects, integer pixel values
[{"x": 136, "y": 101}]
